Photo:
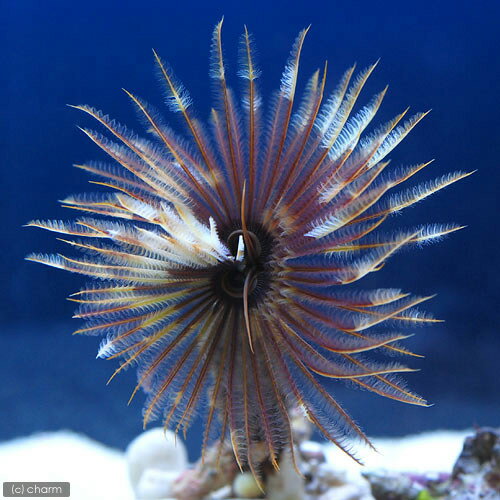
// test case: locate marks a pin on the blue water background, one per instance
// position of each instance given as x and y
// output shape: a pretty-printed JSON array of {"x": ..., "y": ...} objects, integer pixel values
[{"x": 439, "y": 55}]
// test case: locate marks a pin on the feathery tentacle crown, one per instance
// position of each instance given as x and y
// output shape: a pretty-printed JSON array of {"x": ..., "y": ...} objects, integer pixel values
[{"x": 221, "y": 257}]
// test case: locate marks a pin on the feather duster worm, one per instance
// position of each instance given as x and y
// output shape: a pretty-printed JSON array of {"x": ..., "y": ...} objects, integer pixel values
[{"x": 221, "y": 257}]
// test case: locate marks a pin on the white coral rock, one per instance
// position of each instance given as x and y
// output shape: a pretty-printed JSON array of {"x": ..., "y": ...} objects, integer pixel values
[
  {"x": 245, "y": 486},
  {"x": 155, "y": 459},
  {"x": 285, "y": 484},
  {"x": 155, "y": 484},
  {"x": 348, "y": 492}
]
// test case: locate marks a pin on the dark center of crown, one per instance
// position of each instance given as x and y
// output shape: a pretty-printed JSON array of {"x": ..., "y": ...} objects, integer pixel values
[{"x": 252, "y": 272}]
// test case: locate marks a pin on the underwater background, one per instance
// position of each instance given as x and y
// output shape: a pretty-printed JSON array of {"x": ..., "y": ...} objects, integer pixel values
[{"x": 439, "y": 55}]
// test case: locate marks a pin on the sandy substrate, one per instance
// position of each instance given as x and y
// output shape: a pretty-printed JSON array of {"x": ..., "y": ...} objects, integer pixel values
[
  {"x": 97, "y": 472},
  {"x": 94, "y": 471},
  {"x": 428, "y": 452}
]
